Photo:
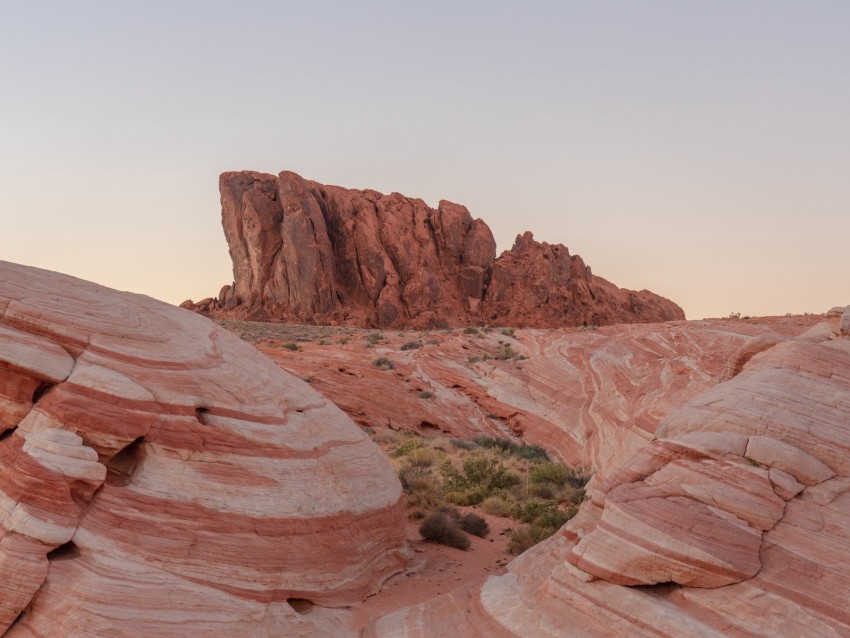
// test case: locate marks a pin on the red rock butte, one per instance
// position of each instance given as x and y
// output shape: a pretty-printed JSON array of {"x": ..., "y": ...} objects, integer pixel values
[{"x": 309, "y": 253}]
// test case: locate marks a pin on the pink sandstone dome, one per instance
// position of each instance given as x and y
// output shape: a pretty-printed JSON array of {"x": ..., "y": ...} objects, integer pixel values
[
  {"x": 159, "y": 477},
  {"x": 733, "y": 521}
]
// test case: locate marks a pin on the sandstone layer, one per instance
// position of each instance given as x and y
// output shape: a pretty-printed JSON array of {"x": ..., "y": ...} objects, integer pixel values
[
  {"x": 159, "y": 477},
  {"x": 592, "y": 396},
  {"x": 311, "y": 253},
  {"x": 733, "y": 520}
]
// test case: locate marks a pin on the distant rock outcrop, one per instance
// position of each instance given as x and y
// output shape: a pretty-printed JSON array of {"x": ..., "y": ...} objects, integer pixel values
[
  {"x": 310, "y": 253},
  {"x": 159, "y": 477}
]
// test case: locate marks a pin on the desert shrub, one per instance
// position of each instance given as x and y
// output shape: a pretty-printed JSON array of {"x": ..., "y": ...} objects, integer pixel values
[
  {"x": 497, "y": 506},
  {"x": 531, "y": 453},
  {"x": 406, "y": 447},
  {"x": 442, "y": 528},
  {"x": 426, "y": 394},
  {"x": 324, "y": 342},
  {"x": 383, "y": 363},
  {"x": 421, "y": 488},
  {"x": 571, "y": 495},
  {"x": 411, "y": 345},
  {"x": 546, "y": 491},
  {"x": 461, "y": 444},
  {"x": 291, "y": 346},
  {"x": 470, "y": 331},
  {"x": 545, "y": 514},
  {"x": 472, "y": 523},
  {"x": 556, "y": 474},
  {"x": 433, "y": 342},
  {"x": 525, "y": 537},
  {"x": 374, "y": 337},
  {"x": 481, "y": 476},
  {"x": 342, "y": 340},
  {"x": 491, "y": 442},
  {"x": 473, "y": 359},
  {"x": 505, "y": 352},
  {"x": 508, "y": 332},
  {"x": 422, "y": 457}
]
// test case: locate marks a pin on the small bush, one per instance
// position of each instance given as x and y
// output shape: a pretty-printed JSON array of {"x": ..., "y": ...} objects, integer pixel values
[
  {"x": 439, "y": 527},
  {"x": 473, "y": 524},
  {"x": 426, "y": 394},
  {"x": 473, "y": 359},
  {"x": 291, "y": 346},
  {"x": 505, "y": 352},
  {"x": 422, "y": 457},
  {"x": 433, "y": 342},
  {"x": 531, "y": 453},
  {"x": 422, "y": 489},
  {"x": 496, "y": 506},
  {"x": 383, "y": 363},
  {"x": 342, "y": 340},
  {"x": 470, "y": 331},
  {"x": 374, "y": 337},
  {"x": 508, "y": 332},
  {"x": 525, "y": 537},
  {"x": 491, "y": 442},
  {"x": 547, "y": 472},
  {"x": 324, "y": 342},
  {"x": 411, "y": 345},
  {"x": 406, "y": 447},
  {"x": 460, "y": 444}
]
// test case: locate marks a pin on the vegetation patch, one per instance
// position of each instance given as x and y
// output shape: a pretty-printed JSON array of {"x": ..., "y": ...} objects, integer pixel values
[
  {"x": 383, "y": 363},
  {"x": 443, "y": 528},
  {"x": 502, "y": 477}
]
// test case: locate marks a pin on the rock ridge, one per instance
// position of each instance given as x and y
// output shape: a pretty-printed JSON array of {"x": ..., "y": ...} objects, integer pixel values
[{"x": 310, "y": 253}]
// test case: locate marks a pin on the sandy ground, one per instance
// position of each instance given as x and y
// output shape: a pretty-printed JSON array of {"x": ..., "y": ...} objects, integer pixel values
[{"x": 436, "y": 569}]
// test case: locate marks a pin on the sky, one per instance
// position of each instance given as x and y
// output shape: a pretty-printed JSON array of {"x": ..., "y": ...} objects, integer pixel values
[{"x": 700, "y": 150}]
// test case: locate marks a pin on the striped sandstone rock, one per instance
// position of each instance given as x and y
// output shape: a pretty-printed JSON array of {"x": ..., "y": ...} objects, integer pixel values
[{"x": 159, "y": 477}]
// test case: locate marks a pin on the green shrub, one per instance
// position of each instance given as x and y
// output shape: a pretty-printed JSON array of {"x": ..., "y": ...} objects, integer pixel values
[
  {"x": 505, "y": 352},
  {"x": 383, "y": 363},
  {"x": 406, "y": 447},
  {"x": 525, "y": 537},
  {"x": 491, "y": 442},
  {"x": 548, "y": 472},
  {"x": 473, "y": 524},
  {"x": 481, "y": 476},
  {"x": 470, "y": 331},
  {"x": 439, "y": 527},
  {"x": 496, "y": 506},
  {"x": 422, "y": 457},
  {"x": 531, "y": 453},
  {"x": 411, "y": 345}
]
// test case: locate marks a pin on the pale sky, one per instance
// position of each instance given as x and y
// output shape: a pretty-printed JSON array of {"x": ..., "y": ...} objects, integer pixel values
[{"x": 697, "y": 149}]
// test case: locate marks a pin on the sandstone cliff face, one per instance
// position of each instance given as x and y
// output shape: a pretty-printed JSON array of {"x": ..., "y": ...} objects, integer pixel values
[
  {"x": 311, "y": 253},
  {"x": 159, "y": 477},
  {"x": 733, "y": 520}
]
